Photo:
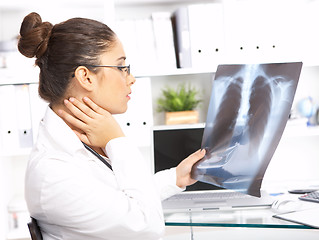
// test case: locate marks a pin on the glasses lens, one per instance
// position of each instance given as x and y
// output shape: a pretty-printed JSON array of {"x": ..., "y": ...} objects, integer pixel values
[{"x": 126, "y": 69}]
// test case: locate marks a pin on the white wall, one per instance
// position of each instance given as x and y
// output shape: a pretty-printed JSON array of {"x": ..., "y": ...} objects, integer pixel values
[
  {"x": 295, "y": 163},
  {"x": 11, "y": 16},
  {"x": 309, "y": 83}
]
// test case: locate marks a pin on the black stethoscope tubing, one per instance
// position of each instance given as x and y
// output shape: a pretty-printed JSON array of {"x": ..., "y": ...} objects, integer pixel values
[{"x": 98, "y": 156}]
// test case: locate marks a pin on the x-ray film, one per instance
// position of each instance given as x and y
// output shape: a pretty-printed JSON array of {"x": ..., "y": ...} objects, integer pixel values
[{"x": 248, "y": 111}]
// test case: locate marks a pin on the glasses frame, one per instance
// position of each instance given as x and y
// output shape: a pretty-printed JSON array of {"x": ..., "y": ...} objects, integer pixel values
[{"x": 121, "y": 68}]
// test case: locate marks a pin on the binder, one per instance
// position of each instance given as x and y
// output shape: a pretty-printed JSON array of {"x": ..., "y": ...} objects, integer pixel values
[
  {"x": 147, "y": 55},
  {"x": 37, "y": 108},
  {"x": 126, "y": 31},
  {"x": 23, "y": 115},
  {"x": 164, "y": 41},
  {"x": 200, "y": 35},
  {"x": 137, "y": 121},
  {"x": 182, "y": 38},
  {"x": 8, "y": 118}
]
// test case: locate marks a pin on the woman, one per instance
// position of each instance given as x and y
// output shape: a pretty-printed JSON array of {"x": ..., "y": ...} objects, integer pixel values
[{"x": 70, "y": 191}]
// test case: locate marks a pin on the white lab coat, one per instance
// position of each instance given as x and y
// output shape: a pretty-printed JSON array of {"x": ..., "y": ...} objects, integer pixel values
[{"x": 73, "y": 195}]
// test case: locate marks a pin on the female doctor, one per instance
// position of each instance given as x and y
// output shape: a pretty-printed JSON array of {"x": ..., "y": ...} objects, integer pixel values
[{"x": 85, "y": 179}]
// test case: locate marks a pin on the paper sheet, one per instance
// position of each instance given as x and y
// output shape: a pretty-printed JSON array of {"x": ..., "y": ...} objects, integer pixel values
[{"x": 307, "y": 217}]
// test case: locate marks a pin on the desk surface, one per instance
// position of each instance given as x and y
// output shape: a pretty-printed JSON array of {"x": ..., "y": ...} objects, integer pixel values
[
  {"x": 252, "y": 217},
  {"x": 260, "y": 218}
]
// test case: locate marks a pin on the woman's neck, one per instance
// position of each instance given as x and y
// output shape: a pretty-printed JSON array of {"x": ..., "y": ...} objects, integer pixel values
[
  {"x": 98, "y": 150},
  {"x": 58, "y": 107}
]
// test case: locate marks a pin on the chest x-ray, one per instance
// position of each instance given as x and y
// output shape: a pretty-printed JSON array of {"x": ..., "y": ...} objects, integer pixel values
[{"x": 248, "y": 111}]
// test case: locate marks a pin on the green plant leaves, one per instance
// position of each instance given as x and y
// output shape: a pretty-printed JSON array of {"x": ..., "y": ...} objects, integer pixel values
[{"x": 182, "y": 99}]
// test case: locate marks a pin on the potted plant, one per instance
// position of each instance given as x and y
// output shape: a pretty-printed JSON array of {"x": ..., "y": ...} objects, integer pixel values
[{"x": 179, "y": 104}]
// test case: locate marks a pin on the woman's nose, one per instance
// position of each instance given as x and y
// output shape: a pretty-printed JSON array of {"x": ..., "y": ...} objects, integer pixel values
[{"x": 131, "y": 79}]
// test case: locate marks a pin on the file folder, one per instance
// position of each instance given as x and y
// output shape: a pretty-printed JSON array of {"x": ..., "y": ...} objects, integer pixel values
[
  {"x": 137, "y": 121},
  {"x": 37, "y": 108},
  {"x": 8, "y": 118},
  {"x": 145, "y": 44},
  {"x": 23, "y": 114},
  {"x": 199, "y": 35},
  {"x": 164, "y": 41}
]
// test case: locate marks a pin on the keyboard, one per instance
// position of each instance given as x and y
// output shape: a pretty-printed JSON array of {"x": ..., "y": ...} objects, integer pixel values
[
  {"x": 312, "y": 197},
  {"x": 208, "y": 195}
]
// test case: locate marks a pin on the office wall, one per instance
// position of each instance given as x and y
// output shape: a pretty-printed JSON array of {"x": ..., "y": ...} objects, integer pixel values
[
  {"x": 308, "y": 84},
  {"x": 11, "y": 17},
  {"x": 296, "y": 159},
  {"x": 295, "y": 163}
]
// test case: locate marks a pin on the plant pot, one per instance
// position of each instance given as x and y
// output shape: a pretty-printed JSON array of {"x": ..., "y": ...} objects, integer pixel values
[{"x": 181, "y": 117}]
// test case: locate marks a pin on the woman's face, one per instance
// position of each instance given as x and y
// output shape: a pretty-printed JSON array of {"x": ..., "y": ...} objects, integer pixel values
[{"x": 113, "y": 84}]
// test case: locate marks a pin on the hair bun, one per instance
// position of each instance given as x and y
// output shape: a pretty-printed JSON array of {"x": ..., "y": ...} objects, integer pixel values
[{"x": 34, "y": 36}]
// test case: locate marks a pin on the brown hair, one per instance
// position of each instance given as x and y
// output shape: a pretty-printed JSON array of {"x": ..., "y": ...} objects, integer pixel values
[{"x": 61, "y": 48}]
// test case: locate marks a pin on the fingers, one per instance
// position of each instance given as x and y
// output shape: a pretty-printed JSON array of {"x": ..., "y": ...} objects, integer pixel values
[
  {"x": 93, "y": 106},
  {"x": 72, "y": 120},
  {"x": 183, "y": 170},
  {"x": 80, "y": 110},
  {"x": 196, "y": 156},
  {"x": 83, "y": 137}
]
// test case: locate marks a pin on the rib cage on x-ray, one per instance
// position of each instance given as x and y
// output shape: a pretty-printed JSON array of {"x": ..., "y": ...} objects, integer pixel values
[{"x": 248, "y": 111}]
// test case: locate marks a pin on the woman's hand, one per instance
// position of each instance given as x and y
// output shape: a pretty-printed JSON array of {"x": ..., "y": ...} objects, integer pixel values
[
  {"x": 92, "y": 124},
  {"x": 183, "y": 170}
]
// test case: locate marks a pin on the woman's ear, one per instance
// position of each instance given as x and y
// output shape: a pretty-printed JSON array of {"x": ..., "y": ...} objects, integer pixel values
[{"x": 84, "y": 77}]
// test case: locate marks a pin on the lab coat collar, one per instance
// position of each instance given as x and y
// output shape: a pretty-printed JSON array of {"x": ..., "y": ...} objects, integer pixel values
[{"x": 61, "y": 133}]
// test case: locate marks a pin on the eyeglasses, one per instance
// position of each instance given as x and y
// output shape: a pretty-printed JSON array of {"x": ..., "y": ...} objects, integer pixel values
[{"x": 124, "y": 69}]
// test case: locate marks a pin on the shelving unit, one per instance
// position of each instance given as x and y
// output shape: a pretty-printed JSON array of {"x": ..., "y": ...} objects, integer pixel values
[
  {"x": 176, "y": 72},
  {"x": 302, "y": 131}
]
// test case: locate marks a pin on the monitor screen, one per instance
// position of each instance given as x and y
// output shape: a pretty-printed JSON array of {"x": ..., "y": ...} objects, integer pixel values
[{"x": 172, "y": 144}]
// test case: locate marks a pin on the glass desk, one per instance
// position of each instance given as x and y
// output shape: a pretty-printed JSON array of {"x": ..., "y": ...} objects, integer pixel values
[{"x": 251, "y": 218}]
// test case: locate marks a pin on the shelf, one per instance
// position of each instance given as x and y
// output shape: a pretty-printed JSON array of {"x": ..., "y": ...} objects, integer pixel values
[
  {"x": 11, "y": 76},
  {"x": 15, "y": 152},
  {"x": 182, "y": 71},
  {"x": 174, "y": 72},
  {"x": 300, "y": 130}
]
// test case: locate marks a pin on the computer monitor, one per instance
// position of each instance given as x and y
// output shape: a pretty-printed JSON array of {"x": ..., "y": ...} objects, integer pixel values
[{"x": 173, "y": 143}]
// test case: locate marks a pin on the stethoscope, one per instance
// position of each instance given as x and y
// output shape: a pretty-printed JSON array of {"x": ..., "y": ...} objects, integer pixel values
[{"x": 98, "y": 156}]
